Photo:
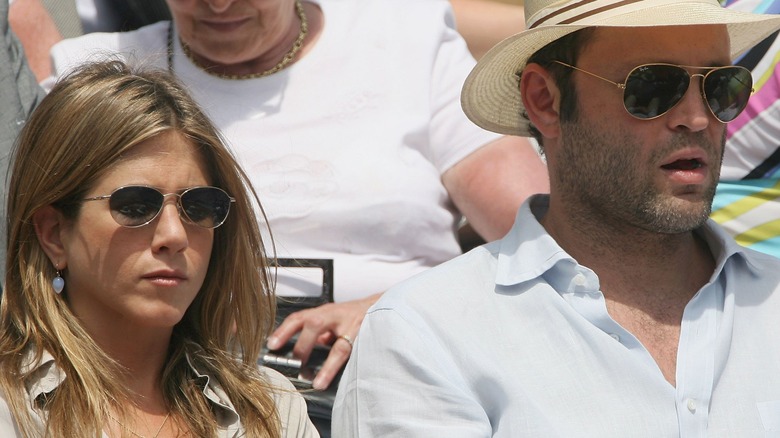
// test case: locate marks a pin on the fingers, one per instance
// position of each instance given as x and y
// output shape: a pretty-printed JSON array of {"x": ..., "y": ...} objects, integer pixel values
[
  {"x": 328, "y": 324},
  {"x": 314, "y": 326},
  {"x": 286, "y": 330},
  {"x": 339, "y": 354},
  {"x": 307, "y": 339},
  {"x": 348, "y": 339},
  {"x": 326, "y": 338}
]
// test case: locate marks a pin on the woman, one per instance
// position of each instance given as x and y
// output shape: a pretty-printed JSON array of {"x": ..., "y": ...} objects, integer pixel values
[
  {"x": 346, "y": 116},
  {"x": 133, "y": 305}
]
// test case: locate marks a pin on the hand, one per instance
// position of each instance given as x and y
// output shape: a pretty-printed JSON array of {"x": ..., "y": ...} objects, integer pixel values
[{"x": 323, "y": 325}]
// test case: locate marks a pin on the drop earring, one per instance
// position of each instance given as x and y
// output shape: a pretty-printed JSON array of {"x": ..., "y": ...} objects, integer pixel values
[{"x": 58, "y": 283}]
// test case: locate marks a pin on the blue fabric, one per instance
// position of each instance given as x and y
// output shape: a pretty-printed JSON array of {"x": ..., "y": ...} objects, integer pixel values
[{"x": 513, "y": 339}]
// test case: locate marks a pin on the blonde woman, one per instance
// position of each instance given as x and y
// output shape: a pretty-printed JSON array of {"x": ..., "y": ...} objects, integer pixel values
[{"x": 133, "y": 302}]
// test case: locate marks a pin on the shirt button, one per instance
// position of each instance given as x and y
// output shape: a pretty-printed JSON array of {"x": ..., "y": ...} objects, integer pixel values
[
  {"x": 691, "y": 404},
  {"x": 615, "y": 336},
  {"x": 580, "y": 280}
]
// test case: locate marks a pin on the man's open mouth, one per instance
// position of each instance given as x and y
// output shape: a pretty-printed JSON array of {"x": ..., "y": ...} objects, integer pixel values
[{"x": 691, "y": 164}]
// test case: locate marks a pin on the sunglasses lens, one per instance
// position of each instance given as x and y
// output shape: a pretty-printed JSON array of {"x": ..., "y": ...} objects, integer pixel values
[
  {"x": 207, "y": 207},
  {"x": 727, "y": 91},
  {"x": 654, "y": 89},
  {"x": 135, "y": 205}
]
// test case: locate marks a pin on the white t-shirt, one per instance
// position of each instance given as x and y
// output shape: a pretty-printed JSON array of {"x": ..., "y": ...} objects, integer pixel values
[{"x": 346, "y": 147}]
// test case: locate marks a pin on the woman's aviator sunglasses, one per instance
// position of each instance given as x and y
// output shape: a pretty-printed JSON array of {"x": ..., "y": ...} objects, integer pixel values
[
  {"x": 650, "y": 90},
  {"x": 136, "y": 206}
]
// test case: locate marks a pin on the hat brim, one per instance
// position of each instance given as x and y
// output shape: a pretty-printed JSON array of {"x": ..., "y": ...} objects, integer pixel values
[{"x": 491, "y": 94}]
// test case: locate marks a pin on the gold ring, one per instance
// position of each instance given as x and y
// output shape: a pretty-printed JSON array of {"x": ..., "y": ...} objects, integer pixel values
[{"x": 348, "y": 339}]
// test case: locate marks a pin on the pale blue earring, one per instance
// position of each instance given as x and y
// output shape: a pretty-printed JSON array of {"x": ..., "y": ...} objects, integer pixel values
[{"x": 58, "y": 283}]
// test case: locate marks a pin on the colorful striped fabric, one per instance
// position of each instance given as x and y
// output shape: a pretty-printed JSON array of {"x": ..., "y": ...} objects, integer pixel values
[{"x": 747, "y": 202}]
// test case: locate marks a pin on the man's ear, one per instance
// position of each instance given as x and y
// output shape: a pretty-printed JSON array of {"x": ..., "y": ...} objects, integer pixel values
[
  {"x": 541, "y": 99},
  {"x": 49, "y": 224}
]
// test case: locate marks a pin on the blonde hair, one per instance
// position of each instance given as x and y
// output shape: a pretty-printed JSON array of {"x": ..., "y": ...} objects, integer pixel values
[{"x": 74, "y": 138}]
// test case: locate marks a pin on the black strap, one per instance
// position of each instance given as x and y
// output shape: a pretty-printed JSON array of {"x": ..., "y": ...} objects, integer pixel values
[
  {"x": 766, "y": 167},
  {"x": 139, "y": 13},
  {"x": 754, "y": 56}
]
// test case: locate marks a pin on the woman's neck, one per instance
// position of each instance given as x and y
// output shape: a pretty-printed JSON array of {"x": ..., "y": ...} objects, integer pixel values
[
  {"x": 142, "y": 353},
  {"x": 297, "y": 41}
]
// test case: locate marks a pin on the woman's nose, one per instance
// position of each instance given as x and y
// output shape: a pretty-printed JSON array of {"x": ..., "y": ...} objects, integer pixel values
[{"x": 170, "y": 233}]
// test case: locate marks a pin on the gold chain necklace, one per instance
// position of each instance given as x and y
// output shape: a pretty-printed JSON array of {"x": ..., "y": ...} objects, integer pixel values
[
  {"x": 286, "y": 60},
  {"x": 138, "y": 434}
]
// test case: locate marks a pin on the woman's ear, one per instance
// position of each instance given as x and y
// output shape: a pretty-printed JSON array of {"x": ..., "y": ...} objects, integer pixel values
[
  {"x": 49, "y": 224},
  {"x": 541, "y": 99}
]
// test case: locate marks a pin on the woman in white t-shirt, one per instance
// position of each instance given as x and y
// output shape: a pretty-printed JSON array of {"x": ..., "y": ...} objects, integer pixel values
[{"x": 346, "y": 115}]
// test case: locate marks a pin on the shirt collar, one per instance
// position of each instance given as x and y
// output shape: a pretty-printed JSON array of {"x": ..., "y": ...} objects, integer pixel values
[
  {"x": 46, "y": 376},
  {"x": 725, "y": 250},
  {"x": 225, "y": 412},
  {"x": 528, "y": 251}
]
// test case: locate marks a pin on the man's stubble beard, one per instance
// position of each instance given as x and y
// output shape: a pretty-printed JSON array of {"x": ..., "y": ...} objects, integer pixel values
[{"x": 604, "y": 180}]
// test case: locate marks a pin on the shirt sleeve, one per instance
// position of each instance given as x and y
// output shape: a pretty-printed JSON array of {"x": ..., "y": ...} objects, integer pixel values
[
  {"x": 400, "y": 382},
  {"x": 146, "y": 47},
  {"x": 452, "y": 135}
]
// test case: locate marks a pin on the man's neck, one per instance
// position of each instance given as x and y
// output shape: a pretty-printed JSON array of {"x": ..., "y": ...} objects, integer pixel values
[
  {"x": 627, "y": 258},
  {"x": 647, "y": 278}
]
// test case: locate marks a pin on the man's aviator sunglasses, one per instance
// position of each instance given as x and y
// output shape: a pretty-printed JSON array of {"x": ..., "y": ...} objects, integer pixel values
[
  {"x": 136, "y": 206},
  {"x": 650, "y": 90}
]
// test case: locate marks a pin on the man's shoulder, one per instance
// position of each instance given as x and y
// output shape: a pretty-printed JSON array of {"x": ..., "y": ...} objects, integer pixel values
[
  {"x": 738, "y": 260},
  {"x": 759, "y": 267},
  {"x": 463, "y": 278},
  {"x": 756, "y": 257}
]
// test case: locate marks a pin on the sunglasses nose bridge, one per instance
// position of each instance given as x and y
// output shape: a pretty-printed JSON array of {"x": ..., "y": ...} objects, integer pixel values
[
  {"x": 701, "y": 81},
  {"x": 689, "y": 82},
  {"x": 166, "y": 195},
  {"x": 177, "y": 202},
  {"x": 702, "y": 78}
]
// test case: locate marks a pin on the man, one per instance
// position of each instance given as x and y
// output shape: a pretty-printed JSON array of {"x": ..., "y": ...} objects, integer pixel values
[
  {"x": 19, "y": 94},
  {"x": 32, "y": 25},
  {"x": 613, "y": 308}
]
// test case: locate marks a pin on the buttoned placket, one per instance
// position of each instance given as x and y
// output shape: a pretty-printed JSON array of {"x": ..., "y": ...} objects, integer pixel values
[
  {"x": 695, "y": 368},
  {"x": 584, "y": 295}
]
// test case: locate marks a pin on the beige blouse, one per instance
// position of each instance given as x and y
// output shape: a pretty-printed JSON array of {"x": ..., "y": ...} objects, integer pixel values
[{"x": 289, "y": 403}]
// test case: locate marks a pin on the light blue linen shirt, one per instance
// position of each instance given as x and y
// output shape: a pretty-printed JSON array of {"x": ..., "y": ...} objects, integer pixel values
[{"x": 513, "y": 339}]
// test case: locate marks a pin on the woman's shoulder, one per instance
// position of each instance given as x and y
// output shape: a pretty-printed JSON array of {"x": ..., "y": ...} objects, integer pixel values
[
  {"x": 8, "y": 428},
  {"x": 290, "y": 405},
  {"x": 148, "y": 44},
  {"x": 389, "y": 12}
]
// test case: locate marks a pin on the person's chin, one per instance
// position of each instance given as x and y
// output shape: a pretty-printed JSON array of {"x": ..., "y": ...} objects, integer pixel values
[{"x": 163, "y": 316}]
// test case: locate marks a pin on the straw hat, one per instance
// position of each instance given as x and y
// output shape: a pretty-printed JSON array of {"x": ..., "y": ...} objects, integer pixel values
[{"x": 491, "y": 94}]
